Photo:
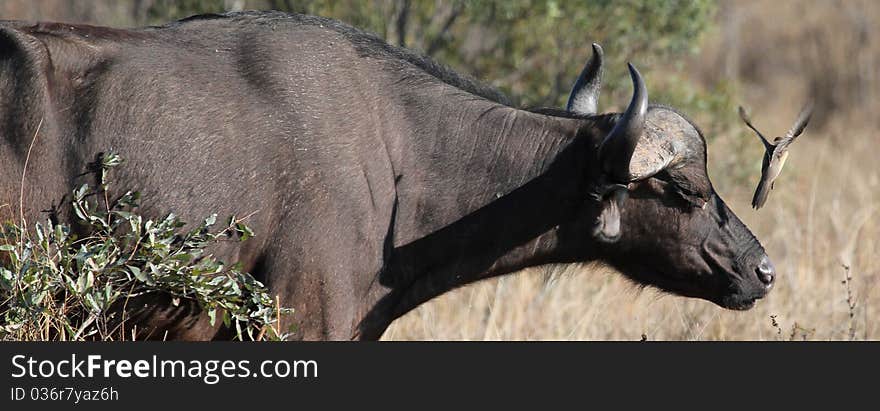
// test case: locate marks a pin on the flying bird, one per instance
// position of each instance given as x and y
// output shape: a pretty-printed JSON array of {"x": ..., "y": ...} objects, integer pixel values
[{"x": 775, "y": 153}]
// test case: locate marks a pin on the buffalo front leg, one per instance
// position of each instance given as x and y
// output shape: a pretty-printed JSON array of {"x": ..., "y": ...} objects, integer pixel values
[{"x": 329, "y": 287}]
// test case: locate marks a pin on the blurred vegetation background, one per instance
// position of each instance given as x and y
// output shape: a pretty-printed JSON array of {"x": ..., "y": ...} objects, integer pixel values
[
  {"x": 530, "y": 49},
  {"x": 704, "y": 57}
]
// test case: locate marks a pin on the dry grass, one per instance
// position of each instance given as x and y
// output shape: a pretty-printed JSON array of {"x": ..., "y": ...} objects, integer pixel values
[{"x": 822, "y": 216}]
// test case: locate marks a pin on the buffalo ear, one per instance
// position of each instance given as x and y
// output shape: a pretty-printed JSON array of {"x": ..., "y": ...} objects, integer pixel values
[{"x": 607, "y": 225}]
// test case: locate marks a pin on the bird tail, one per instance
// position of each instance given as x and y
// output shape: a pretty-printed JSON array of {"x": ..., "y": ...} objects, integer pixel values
[{"x": 761, "y": 194}]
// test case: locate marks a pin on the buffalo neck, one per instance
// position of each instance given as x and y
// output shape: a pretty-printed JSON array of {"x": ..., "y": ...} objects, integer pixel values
[
  {"x": 503, "y": 180},
  {"x": 459, "y": 153}
]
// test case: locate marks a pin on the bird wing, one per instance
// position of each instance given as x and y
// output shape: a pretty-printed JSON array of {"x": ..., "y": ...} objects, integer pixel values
[
  {"x": 761, "y": 192},
  {"x": 745, "y": 118},
  {"x": 766, "y": 182},
  {"x": 799, "y": 125}
]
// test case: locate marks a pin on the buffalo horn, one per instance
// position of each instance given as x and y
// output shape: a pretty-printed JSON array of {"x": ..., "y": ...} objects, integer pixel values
[
  {"x": 618, "y": 147},
  {"x": 584, "y": 97}
]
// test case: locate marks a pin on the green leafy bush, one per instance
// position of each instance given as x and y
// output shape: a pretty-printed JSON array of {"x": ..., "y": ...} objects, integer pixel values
[{"x": 57, "y": 285}]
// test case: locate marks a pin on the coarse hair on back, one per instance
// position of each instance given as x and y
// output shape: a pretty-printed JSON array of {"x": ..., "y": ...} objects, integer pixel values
[{"x": 367, "y": 45}]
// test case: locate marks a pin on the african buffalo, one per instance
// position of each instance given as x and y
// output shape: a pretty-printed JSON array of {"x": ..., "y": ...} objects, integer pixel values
[{"x": 380, "y": 179}]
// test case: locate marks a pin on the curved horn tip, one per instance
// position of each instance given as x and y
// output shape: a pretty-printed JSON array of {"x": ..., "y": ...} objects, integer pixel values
[
  {"x": 640, "y": 91},
  {"x": 633, "y": 71},
  {"x": 584, "y": 96}
]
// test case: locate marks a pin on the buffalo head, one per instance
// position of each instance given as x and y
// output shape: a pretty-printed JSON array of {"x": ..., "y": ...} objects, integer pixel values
[{"x": 655, "y": 215}]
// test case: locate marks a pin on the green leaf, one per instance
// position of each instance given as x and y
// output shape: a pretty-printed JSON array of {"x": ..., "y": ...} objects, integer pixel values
[
  {"x": 60, "y": 234},
  {"x": 38, "y": 229},
  {"x": 92, "y": 303}
]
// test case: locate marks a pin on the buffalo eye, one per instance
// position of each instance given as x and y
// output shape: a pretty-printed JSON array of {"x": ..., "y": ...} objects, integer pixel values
[
  {"x": 684, "y": 190},
  {"x": 664, "y": 184}
]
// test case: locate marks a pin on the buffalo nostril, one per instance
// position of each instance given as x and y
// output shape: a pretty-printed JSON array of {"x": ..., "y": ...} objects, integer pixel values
[{"x": 765, "y": 271}]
